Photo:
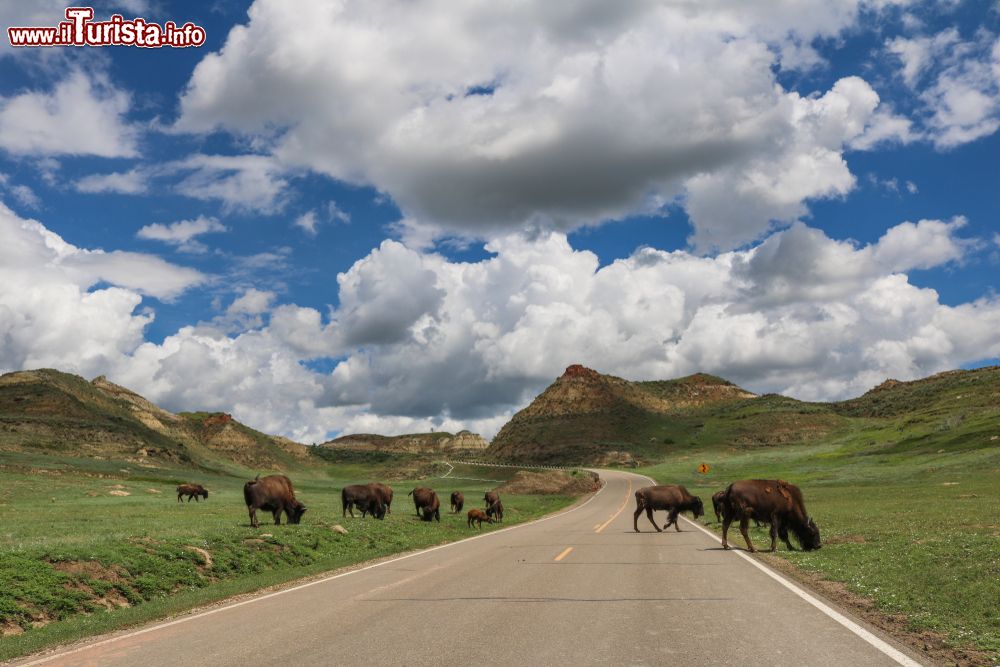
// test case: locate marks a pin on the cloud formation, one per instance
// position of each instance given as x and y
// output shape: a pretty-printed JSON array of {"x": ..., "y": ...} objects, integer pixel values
[{"x": 500, "y": 117}]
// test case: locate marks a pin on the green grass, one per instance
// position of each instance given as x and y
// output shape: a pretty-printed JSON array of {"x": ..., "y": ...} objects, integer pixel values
[
  {"x": 909, "y": 518},
  {"x": 69, "y": 550}
]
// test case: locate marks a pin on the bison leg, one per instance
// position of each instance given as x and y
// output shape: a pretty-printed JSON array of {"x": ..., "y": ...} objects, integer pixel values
[
  {"x": 744, "y": 524},
  {"x": 179, "y": 497},
  {"x": 783, "y": 534},
  {"x": 277, "y": 517},
  {"x": 253, "y": 517},
  {"x": 774, "y": 535},
  {"x": 726, "y": 520},
  {"x": 673, "y": 520}
]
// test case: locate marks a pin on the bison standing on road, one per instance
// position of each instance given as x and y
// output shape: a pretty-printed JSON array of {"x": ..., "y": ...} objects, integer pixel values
[
  {"x": 363, "y": 497},
  {"x": 457, "y": 501},
  {"x": 192, "y": 491},
  {"x": 427, "y": 503},
  {"x": 274, "y": 494},
  {"x": 477, "y": 515},
  {"x": 772, "y": 501},
  {"x": 672, "y": 498}
]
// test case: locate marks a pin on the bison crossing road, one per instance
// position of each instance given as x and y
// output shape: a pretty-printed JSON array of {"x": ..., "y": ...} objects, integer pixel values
[{"x": 582, "y": 609}]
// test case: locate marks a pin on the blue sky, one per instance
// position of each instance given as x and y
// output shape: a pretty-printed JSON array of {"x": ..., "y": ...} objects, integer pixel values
[{"x": 384, "y": 217}]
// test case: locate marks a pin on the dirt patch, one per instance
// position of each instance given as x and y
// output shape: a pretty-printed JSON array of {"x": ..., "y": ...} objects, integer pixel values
[
  {"x": 118, "y": 492},
  {"x": 339, "y": 529},
  {"x": 551, "y": 482},
  {"x": 926, "y": 642},
  {"x": 10, "y": 628},
  {"x": 206, "y": 557},
  {"x": 153, "y": 491},
  {"x": 845, "y": 539},
  {"x": 90, "y": 569}
]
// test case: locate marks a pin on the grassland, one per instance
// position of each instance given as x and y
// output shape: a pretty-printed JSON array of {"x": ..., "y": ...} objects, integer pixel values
[
  {"x": 910, "y": 518},
  {"x": 77, "y": 557}
]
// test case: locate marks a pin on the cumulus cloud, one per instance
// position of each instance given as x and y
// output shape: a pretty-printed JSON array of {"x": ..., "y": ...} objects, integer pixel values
[
  {"x": 83, "y": 114},
  {"x": 182, "y": 233},
  {"x": 481, "y": 118},
  {"x": 419, "y": 341},
  {"x": 241, "y": 182},
  {"x": 73, "y": 308}
]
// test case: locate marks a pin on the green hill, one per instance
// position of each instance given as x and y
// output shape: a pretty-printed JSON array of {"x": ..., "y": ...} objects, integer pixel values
[{"x": 59, "y": 414}]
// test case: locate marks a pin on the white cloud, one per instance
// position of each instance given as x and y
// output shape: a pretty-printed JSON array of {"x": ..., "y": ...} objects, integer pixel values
[
  {"x": 485, "y": 117},
  {"x": 957, "y": 83},
  {"x": 240, "y": 182},
  {"x": 182, "y": 233},
  {"x": 251, "y": 302},
  {"x": 307, "y": 222},
  {"x": 70, "y": 308},
  {"x": 82, "y": 115},
  {"x": 132, "y": 182}
]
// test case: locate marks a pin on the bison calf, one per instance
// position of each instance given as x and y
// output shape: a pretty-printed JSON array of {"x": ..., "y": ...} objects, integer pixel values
[
  {"x": 477, "y": 515},
  {"x": 273, "y": 493},
  {"x": 192, "y": 491},
  {"x": 672, "y": 498},
  {"x": 457, "y": 501}
]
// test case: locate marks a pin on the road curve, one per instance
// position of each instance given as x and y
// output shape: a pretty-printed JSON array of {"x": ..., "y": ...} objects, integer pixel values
[{"x": 577, "y": 588}]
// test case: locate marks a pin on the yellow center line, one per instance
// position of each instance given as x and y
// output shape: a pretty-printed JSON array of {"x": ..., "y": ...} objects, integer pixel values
[
  {"x": 563, "y": 554},
  {"x": 628, "y": 492}
]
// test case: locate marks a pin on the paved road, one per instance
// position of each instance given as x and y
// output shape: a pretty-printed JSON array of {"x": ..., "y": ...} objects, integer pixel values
[{"x": 575, "y": 589}]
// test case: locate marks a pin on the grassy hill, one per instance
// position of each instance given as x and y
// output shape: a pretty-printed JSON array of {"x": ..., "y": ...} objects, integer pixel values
[
  {"x": 59, "y": 414},
  {"x": 584, "y": 415}
]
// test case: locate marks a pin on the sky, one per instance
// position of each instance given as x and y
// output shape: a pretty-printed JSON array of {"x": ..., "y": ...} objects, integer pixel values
[{"x": 356, "y": 216}]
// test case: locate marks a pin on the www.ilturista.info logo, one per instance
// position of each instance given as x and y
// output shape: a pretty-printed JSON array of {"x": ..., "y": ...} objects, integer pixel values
[{"x": 79, "y": 29}]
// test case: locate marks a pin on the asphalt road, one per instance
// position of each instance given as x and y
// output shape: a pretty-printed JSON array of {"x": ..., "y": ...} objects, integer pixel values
[{"x": 578, "y": 588}]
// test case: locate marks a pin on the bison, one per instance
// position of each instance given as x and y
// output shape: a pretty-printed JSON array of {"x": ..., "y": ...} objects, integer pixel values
[
  {"x": 192, "y": 491},
  {"x": 496, "y": 510},
  {"x": 490, "y": 498},
  {"x": 477, "y": 515},
  {"x": 384, "y": 492},
  {"x": 427, "y": 503},
  {"x": 457, "y": 501},
  {"x": 672, "y": 498},
  {"x": 363, "y": 497},
  {"x": 273, "y": 493},
  {"x": 771, "y": 501}
]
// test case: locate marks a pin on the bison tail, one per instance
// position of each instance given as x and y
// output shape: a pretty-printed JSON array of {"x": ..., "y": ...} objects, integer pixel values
[{"x": 411, "y": 492}]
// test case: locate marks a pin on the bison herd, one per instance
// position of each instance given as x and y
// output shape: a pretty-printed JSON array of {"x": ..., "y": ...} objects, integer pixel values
[
  {"x": 274, "y": 493},
  {"x": 774, "y": 502}
]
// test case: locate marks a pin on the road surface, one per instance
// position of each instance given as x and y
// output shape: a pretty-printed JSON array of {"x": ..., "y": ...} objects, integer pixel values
[{"x": 578, "y": 588}]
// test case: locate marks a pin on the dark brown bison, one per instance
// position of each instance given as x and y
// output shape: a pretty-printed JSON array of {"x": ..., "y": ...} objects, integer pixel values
[
  {"x": 718, "y": 498},
  {"x": 478, "y": 516},
  {"x": 496, "y": 510},
  {"x": 672, "y": 498},
  {"x": 274, "y": 494},
  {"x": 384, "y": 492},
  {"x": 771, "y": 501},
  {"x": 457, "y": 501},
  {"x": 427, "y": 503},
  {"x": 192, "y": 491},
  {"x": 490, "y": 498},
  {"x": 364, "y": 497}
]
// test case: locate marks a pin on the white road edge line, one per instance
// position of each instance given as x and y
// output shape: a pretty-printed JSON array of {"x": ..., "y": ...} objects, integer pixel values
[
  {"x": 234, "y": 605},
  {"x": 883, "y": 646}
]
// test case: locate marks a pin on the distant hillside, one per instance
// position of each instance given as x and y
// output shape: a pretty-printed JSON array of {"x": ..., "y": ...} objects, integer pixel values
[
  {"x": 590, "y": 418},
  {"x": 47, "y": 411},
  {"x": 413, "y": 443}
]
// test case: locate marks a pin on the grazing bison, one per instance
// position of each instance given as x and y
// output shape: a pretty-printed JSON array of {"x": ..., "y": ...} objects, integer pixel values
[
  {"x": 427, "y": 503},
  {"x": 363, "y": 497},
  {"x": 192, "y": 491},
  {"x": 273, "y": 493},
  {"x": 457, "y": 501},
  {"x": 384, "y": 492},
  {"x": 771, "y": 501},
  {"x": 496, "y": 510},
  {"x": 672, "y": 498},
  {"x": 477, "y": 515},
  {"x": 490, "y": 498}
]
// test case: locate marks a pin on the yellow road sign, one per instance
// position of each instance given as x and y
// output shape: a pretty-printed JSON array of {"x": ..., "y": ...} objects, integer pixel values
[{"x": 703, "y": 468}]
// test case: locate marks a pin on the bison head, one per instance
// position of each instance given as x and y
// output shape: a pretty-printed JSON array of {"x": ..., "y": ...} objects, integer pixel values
[
  {"x": 808, "y": 535},
  {"x": 697, "y": 507},
  {"x": 295, "y": 515},
  {"x": 204, "y": 493}
]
